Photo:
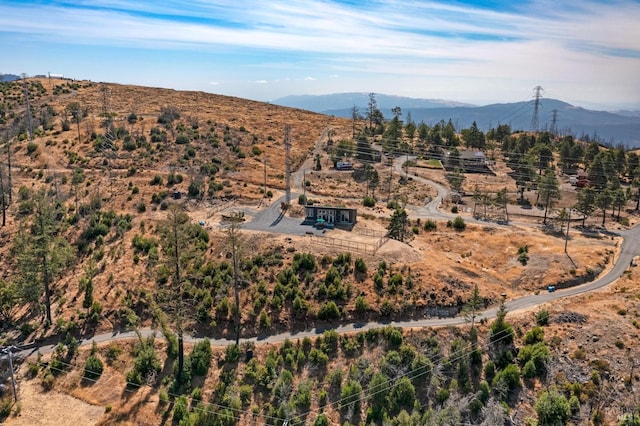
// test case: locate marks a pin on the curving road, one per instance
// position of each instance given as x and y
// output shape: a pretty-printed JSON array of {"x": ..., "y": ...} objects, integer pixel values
[{"x": 629, "y": 249}]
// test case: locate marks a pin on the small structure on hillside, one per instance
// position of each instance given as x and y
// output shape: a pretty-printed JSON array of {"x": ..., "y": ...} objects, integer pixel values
[
  {"x": 469, "y": 161},
  {"x": 341, "y": 217},
  {"x": 344, "y": 165}
]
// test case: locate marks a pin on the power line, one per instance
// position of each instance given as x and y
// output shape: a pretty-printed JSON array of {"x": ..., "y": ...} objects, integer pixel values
[
  {"x": 411, "y": 374},
  {"x": 287, "y": 163},
  {"x": 133, "y": 387},
  {"x": 236, "y": 413}
]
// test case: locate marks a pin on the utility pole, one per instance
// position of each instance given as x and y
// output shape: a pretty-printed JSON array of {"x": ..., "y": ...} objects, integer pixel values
[
  {"x": 406, "y": 170},
  {"x": 304, "y": 185},
  {"x": 287, "y": 162},
  {"x": 9, "y": 351},
  {"x": 50, "y": 84},
  {"x": 566, "y": 237},
  {"x": 28, "y": 107},
  {"x": 390, "y": 177},
  {"x": 265, "y": 178},
  {"x": 554, "y": 120},
  {"x": 534, "y": 119},
  {"x": 9, "y": 166},
  {"x": 3, "y": 199}
]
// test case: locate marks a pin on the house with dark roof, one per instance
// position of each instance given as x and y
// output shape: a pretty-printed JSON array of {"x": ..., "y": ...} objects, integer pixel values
[{"x": 340, "y": 217}]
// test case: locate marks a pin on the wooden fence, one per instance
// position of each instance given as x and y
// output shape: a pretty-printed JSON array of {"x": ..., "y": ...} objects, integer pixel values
[{"x": 357, "y": 246}]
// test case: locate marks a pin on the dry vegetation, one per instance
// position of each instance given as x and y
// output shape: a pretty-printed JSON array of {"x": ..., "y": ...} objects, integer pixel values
[{"x": 237, "y": 138}]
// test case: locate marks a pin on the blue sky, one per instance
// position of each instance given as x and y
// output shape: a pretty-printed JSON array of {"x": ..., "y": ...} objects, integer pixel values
[{"x": 580, "y": 51}]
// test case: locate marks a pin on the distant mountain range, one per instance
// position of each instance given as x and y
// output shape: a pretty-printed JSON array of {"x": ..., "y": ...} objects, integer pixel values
[
  {"x": 9, "y": 77},
  {"x": 620, "y": 127}
]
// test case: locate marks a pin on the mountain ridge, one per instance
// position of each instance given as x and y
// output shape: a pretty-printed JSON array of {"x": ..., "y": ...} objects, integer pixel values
[{"x": 604, "y": 126}]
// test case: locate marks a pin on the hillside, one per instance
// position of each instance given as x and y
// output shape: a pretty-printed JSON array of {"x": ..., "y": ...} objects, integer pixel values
[
  {"x": 607, "y": 127},
  {"x": 114, "y": 161}
]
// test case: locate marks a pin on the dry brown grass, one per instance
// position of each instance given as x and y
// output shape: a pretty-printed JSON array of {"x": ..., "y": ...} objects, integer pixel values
[{"x": 445, "y": 263}]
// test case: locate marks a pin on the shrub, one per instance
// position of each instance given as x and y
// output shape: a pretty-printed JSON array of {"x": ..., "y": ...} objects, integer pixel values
[
  {"x": 146, "y": 362},
  {"x": 535, "y": 335},
  {"x": 393, "y": 336},
  {"x": 113, "y": 352},
  {"x": 350, "y": 396},
  {"x": 27, "y": 328},
  {"x": 378, "y": 282},
  {"x": 402, "y": 394},
  {"x": 360, "y": 266},
  {"x": 157, "y": 180},
  {"x": 552, "y": 408},
  {"x": 174, "y": 179},
  {"x": 321, "y": 420},
  {"x": 194, "y": 189},
  {"x": 318, "y": 358},
  {"x": 361, "y": 305},
  {"x": 430, "y": 225},
  {"x": 32, "y": 147},
  {"x": 369, "y": 201},
  {"x": 529, "y": 370},
  {"x": 329, "y": 311},
  {"x": 180, "y": 409},
  {"x": 201, "y": 357},
  {"x": 542, "y": 317},
  {"x": 458, "y": 224},
  {"x": 523, "y": 254},
  {"x": 442, "y": 394},
  {"x": 387, "y": 308},
  {"x": 509, "y": 377},
  {"x": 232, "y": 353},
  {"x": 265, "y": 320},
  {"x": 489, "y": 371},
  {"x": 182, "y": 139},
  {"x": 93, "y": 367},
  {"x": 395, "y": 280},
  {"x": 48, "y": 380}
]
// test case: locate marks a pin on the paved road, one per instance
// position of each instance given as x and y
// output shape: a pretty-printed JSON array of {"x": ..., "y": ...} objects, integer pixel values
[{"x": 629, "y": 249}]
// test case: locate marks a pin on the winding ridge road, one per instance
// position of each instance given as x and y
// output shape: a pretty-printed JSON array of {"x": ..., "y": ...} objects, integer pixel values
[{"x": 629, "y": 249}]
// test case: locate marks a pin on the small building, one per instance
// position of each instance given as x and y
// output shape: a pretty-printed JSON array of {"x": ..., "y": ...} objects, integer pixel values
[
  {"x": 341, "y": 217},
  {"x": 470, "y": 161},
  {"x": 470, "y": 157}
]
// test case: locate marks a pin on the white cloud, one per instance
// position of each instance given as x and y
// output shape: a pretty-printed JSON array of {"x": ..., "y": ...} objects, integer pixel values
[
  {"x": 578, "y": 42},
  {"x": 214, "y": 83}
]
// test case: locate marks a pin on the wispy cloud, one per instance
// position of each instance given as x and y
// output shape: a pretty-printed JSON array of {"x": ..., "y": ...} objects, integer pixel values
[
  {"x": 424, "y": 39},
  {"x": 416, "y": 28},
  {"x": 309, "y": 79}
]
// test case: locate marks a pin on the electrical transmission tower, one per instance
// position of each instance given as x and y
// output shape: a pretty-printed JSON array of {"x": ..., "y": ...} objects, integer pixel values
[
  {"x": 537, "y": 94},
  {"x": 287, "y": 163},
  {"x": 554, "y": 121}
]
